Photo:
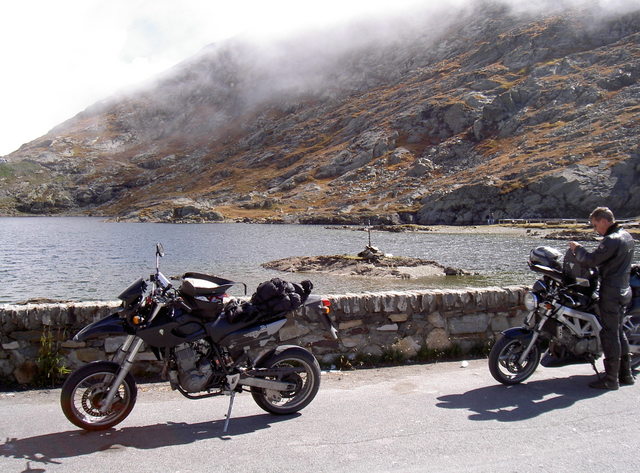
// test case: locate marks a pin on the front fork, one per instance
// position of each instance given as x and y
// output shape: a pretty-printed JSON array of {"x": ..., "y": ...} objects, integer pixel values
[
  {"x": 124, "y": 357},
  {"x": 536, "y": 333},
  {"x": 525, "y": 353}
]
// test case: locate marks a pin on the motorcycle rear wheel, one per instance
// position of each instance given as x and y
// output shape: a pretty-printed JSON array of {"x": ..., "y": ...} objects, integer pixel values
[
  {"x": 503, "y": 361},
  {"x": 306, "y": 378},
  {"x": 85, "y": 389}
]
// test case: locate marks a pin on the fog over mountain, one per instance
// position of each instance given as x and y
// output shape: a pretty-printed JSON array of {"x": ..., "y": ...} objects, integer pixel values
[{"x": 430, "y": 115}]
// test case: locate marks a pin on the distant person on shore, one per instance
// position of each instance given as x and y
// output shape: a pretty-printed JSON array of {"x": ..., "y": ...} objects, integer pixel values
[{"x": 613, "y": 259}]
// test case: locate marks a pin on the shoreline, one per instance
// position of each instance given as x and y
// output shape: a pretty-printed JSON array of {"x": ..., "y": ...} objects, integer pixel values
[
  {"x": 497, "y": 229},
  {"x": 580, "y": 231}
]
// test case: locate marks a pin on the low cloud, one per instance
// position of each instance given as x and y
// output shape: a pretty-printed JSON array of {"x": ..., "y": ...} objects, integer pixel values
[{"x": 76, "y": 52}]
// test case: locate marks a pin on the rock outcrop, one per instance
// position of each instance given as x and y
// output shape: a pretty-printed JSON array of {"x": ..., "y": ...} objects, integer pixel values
[{"x": 379, "y": 267}]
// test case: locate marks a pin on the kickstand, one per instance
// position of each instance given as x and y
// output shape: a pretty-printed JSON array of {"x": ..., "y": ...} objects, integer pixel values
[
  {"x": 226, "y": 422},
  {"x": 232, "y": 381},
  {"x": 593, "y": 365}
]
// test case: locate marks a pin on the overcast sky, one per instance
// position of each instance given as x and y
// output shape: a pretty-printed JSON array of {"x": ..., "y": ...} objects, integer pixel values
[{"x": 60, "y": 56}]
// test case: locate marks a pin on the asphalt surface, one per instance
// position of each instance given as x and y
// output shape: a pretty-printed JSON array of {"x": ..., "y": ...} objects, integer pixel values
[{"x": 420, "y": 418}]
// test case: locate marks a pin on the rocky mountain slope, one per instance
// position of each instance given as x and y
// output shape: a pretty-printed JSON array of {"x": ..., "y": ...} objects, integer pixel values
[{"x": 434, "y": 119}]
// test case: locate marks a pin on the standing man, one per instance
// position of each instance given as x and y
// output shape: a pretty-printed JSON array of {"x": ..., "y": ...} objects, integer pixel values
[{"x": 613, "y": 259}]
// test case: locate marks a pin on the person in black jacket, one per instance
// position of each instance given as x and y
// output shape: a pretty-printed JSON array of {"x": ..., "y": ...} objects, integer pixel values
[{"x": 613, "y": 258}]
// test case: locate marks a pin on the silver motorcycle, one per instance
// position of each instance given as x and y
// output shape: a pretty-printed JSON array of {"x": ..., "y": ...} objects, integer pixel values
[{"x": 562, "y": 326}]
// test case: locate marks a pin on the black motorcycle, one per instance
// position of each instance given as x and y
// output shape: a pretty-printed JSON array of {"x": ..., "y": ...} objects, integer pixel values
[
  {"x": 209, "y": 346},
  {"x": 562, "y": 326}
]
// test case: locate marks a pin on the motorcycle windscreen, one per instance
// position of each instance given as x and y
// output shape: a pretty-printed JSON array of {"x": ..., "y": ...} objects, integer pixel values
[{"x": 133, "y": 292}]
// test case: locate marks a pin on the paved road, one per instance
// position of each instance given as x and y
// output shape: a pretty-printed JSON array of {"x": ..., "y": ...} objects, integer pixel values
[{"x": 438, "y": 417}]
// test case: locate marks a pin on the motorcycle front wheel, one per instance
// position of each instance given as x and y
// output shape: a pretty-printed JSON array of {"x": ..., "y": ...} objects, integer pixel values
[
  {"x": 301, "y": 369},
  {"x": 86, "y": 388},
  {"x": 504, "y": 360}
]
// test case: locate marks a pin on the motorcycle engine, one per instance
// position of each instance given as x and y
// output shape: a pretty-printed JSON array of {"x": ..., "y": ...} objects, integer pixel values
[
  {"x": 578, "y": 346},
  {"x": 195, "y": 371}
]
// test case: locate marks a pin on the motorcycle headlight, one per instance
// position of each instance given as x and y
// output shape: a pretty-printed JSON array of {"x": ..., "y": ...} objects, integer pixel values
[{"x": 530, "y": 301}]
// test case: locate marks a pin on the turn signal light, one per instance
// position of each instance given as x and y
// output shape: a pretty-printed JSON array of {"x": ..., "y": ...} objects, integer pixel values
[
  {"x": 326, "y": 306},
  {"x": 136, "y": 319}
]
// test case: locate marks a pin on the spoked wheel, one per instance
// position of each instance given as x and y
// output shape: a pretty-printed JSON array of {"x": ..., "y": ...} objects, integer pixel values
[
  {"x": 631, "y": 326},
  {"x": 300, "y": 368},
  {"x": 85, "y": 390},
  {"x": 504, "y": 360}
]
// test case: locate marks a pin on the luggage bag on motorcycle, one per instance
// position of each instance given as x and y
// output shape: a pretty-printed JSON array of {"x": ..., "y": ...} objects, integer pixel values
[
  {"x": 271, "y": 299},
  {"x": 546, "y": 256},
  {"x": 204, "y": 293},
  {"x": 278, "y": 295}
]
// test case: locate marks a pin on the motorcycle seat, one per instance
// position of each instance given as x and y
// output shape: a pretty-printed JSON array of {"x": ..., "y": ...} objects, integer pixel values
[{"x": 198, "y": 284}]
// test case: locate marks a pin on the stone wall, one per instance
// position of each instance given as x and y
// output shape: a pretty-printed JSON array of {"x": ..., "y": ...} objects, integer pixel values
[{"x": 369, "y": 324}]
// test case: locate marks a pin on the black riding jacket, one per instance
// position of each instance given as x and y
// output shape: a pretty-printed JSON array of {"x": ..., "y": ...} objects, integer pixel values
[{"x": 613, "y": 257}]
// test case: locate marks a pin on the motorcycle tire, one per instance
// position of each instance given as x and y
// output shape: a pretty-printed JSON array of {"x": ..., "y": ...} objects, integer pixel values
[
  {"x": 503, "y": 361},
  {"x": 306, "y": 378},
  {"x": 84, "y": 390}
]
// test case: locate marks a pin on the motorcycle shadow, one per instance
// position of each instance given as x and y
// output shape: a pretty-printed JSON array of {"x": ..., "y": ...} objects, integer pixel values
[
  {"x": 49, "y": 448},
  {"x": 521, "y": 401}
]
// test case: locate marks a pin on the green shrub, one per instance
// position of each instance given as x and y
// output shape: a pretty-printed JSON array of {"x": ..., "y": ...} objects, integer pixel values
[{"x": 50, "y": 363}]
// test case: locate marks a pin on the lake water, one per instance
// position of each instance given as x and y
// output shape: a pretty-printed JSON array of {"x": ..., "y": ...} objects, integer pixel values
[{"x": 80, "y": 258}]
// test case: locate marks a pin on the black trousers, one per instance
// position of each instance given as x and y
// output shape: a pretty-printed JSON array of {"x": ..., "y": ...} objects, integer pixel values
[{"x": 613, "y": 302}]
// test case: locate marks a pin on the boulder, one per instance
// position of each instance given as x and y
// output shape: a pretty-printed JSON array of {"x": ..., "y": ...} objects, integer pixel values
[{"x": 438, "y": 340}]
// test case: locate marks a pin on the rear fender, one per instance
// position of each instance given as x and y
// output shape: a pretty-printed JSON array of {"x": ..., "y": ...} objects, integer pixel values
[
  {"x": 317, "y": 304},
  {"x": 111, "y": 325},
  {"x": 260, "y": 361}
]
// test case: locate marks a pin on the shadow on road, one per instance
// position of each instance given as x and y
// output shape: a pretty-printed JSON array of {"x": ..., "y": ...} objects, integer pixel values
[
  {"x": 521, "y": 401},
  {"x": 51, "y": 447}
]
